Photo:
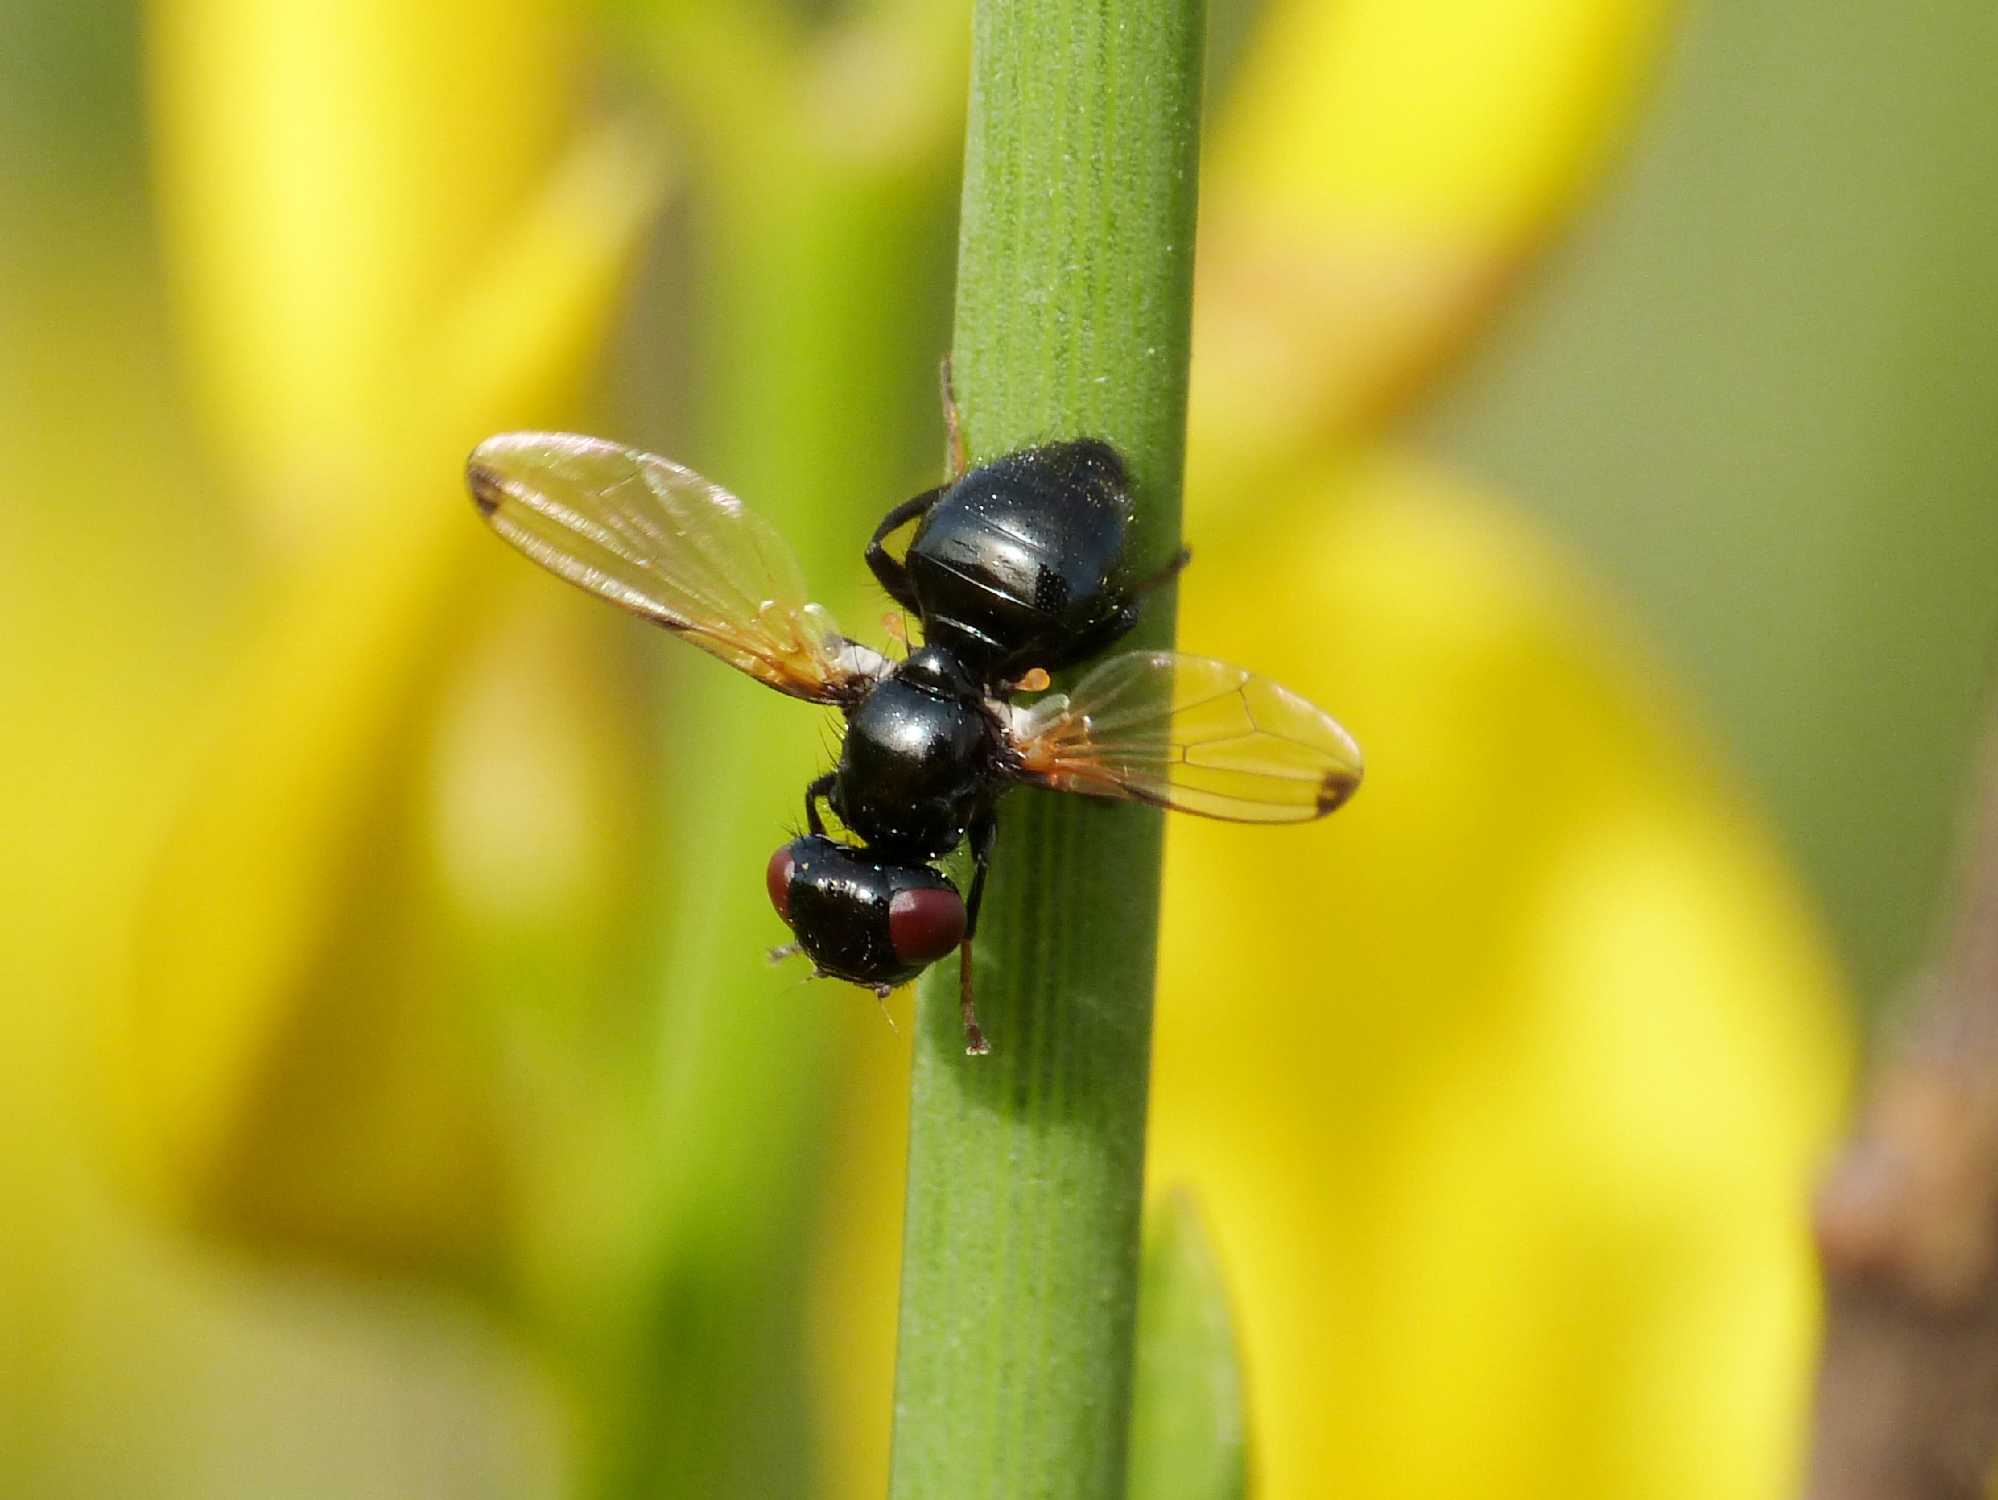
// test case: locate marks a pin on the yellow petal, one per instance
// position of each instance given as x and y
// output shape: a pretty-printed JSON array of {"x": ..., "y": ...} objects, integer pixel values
[
  {"x": 1506, "y": 1083},
  {"x": 1435, "y": 120},
  {"x": 329, "y": 173},
  {"x": 1382, "y": 172},
  {"x": 295, "y": 802},
  {"x": 525, "y": 325}
]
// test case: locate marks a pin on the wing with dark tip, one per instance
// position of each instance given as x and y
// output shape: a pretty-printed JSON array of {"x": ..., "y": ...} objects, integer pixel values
[
  {"x": 671, "y": 547},
  {"x": 1189, "y": 733}
]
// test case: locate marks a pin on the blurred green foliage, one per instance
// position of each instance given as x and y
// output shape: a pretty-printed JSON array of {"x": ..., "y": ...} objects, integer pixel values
[{"x": 1188, "y": 1425}]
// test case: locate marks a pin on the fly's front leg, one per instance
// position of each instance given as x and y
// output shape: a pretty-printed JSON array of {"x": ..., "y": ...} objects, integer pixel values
[{"x": 984, "y": 834}]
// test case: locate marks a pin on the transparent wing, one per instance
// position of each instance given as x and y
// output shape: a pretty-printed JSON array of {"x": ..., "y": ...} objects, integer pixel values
[
  {"x": 1190, "y": 733},
  {"x": 668, "y": 545}
]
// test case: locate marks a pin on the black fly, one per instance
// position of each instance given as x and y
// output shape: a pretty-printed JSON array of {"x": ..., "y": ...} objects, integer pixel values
[{"x": 1016, "y": 569}]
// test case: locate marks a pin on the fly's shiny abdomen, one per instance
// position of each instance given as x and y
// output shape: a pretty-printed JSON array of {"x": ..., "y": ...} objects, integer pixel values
[{"x": 1020, "y": 565}]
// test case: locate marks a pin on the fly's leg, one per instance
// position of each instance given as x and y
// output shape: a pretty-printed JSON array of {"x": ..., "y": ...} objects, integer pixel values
[
  {"x": 953, "y": 421},
  {"x": 975, "y": 1044},
  {"x": 889, "y": 570},
  {"x": 1165, "y": 574},
  {"x": 984, "y": 834},
  {"x": 813, "y": 793},
  {"x": 1099, "y": 637}
]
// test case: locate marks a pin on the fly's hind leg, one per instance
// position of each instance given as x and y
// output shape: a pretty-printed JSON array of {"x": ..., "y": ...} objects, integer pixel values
[
  {"x": 953, "y": 421},
  {"x": 1164, "y": 575},
  {"x": 1113, "y": 626},
  {"x": 888, "y": 570}
]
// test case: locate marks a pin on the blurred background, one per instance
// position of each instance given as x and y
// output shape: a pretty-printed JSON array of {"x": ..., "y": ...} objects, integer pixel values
[{"x": 1591, "y": 407}]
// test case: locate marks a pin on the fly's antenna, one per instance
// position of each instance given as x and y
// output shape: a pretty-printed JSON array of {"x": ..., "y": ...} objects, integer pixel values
[{"x": 802, "y": 980}]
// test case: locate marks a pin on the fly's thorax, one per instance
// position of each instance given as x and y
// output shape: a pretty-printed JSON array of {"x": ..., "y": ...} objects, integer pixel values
[{"x": 917, "y": 753}]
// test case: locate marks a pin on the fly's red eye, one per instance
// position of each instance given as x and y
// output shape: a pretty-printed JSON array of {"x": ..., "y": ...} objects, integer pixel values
[
  {"x": 777, "y": 880},
  {"x": 924, "y": 925}
]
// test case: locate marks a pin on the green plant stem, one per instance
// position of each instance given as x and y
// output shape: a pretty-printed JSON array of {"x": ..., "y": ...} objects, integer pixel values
[{"x": 1019, "y": 1282}]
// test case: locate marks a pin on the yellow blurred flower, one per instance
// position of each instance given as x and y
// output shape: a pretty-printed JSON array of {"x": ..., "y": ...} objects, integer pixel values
[
  {"x": 330, "y": 173},
  {"x": 1381, "y": 174},
  {"x": 390, "y": 237},
  {"x": 1504, "y": 1095}
]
